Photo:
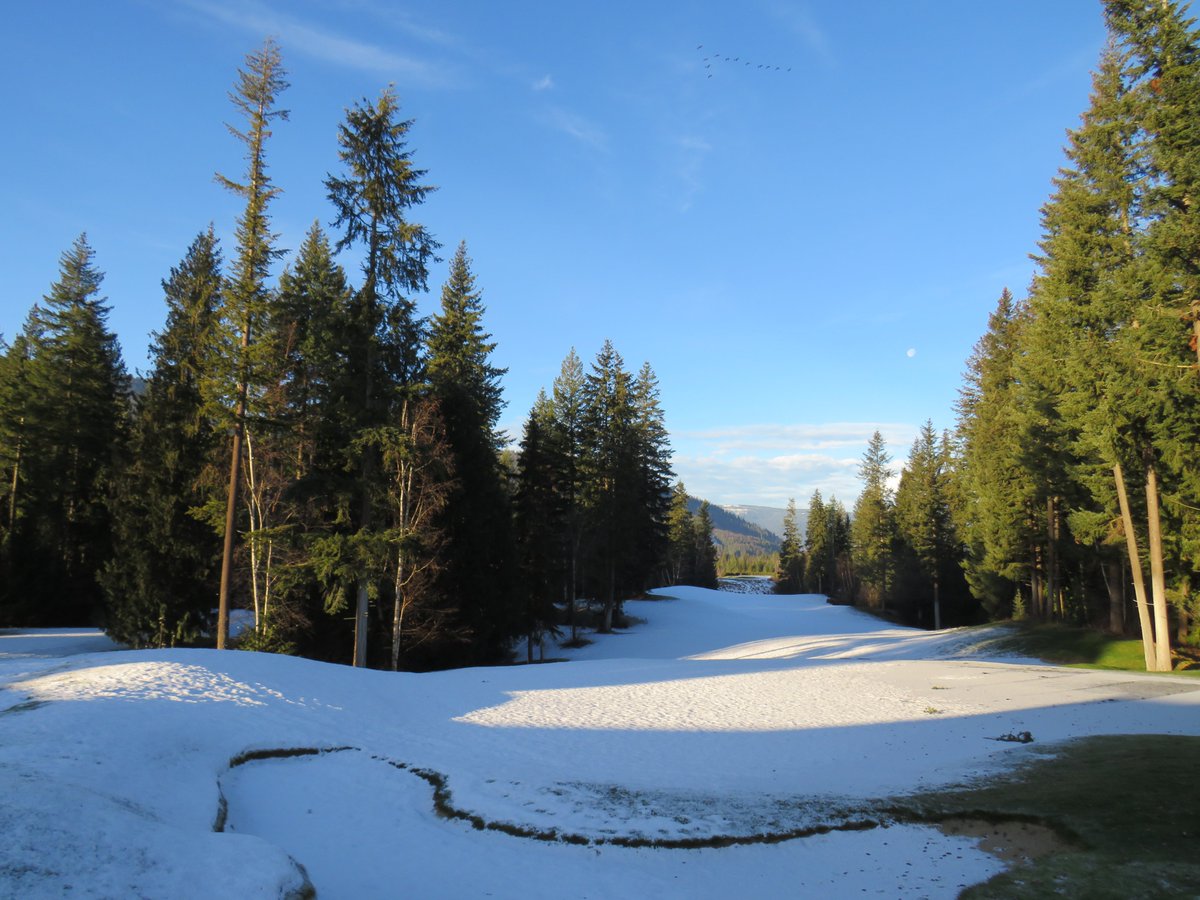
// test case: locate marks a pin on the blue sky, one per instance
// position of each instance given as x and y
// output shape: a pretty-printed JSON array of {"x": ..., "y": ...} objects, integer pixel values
[{"x": 803, "y": 256}]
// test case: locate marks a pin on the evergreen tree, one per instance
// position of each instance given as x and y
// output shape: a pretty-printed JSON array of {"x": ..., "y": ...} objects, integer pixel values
[
  {"x": 15, "y": 399},
  {"x": 681, "y": 553},
  {"x": 994, "y": 494},
  {"x": 706, "y": 549},
  {"x": 789, "y": 579},
  {"x": 161, "y": 579},
  {"x": 818, "y": 548},
  {"x": 311, "y": 330},
  {"x": 653, "y": 450},
  {"x": 923, "y": 512},
  {"x": 479, "y": 554},
  {"x": 372, "y": 201},
  {"x": 247, "y": 298},
  {"x": 566, "y": 433},
  {"x": 1092, "y": 326},
  {"x": 301, "y": 489},
  {"x": 873, "y": 530},
  {"x": 842, "y": 574},
  {"x": 611, "y": 480},
  {"x": 1162, "y": 84},
  {"x": 538, "y": 520},
  {"x": 66, "y": 400}
]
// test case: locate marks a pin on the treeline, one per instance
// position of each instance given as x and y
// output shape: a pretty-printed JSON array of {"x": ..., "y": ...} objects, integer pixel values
[
  {"x": 1070, "y": 489},
  {"x": 1081, "y": 415},
  {"x": 899, "y": 552},
  {"x": 312, "y": 450}
]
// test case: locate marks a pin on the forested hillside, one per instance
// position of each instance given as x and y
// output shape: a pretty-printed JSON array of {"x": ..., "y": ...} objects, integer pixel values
[
  {"x": 735, "y": 534},
  {"x": 768, "y": 517}
]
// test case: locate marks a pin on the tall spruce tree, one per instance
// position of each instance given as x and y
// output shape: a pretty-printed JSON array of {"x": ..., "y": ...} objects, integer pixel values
[
  {"x": 706, "y": 549},
  {"x": 1087, "y": 325},
  {"x": 681, "y": 552},
  {"x": 653, "y": 450},
  {"x": 15, "y": 360},
  {"x": 247, "y": 297},
  {"x": 478, "y": 569},
  {"x": 301, "y": 491},
  {"x": 923, "y": 513},
  {"x": 1162, "y": 82},
  {"x": 611, "y": 477},
  {"x": 66, "y": 401},
  {"x": 538, "y": 520},
  {"x": 994, "y": 494},
  {"x": 842, "y": 572},
  {"x": 567, "y": 434},
  {"x": 818, "y": 568},
  {"x": 372, "y": 201},
  {"x": 873, "y": 529},
  {"x": 165, "y": 566},
  {"x": 790, "y": 577}
]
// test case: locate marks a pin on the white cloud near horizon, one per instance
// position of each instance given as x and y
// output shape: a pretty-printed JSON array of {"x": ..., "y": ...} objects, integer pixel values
[
  {"x": 768, "y": 464},
  {"x": 799, "y": 436}
]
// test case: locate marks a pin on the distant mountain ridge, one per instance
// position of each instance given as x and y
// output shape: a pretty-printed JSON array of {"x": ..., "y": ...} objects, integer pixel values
[
  {"x": 769, "y": 517},
  {"x": 735, "y": 533}
]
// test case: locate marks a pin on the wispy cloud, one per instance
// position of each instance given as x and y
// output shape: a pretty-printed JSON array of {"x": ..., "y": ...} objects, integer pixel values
[
  {"x": 580, "y": 128},
  {"x": 799, "y": 20},
  {"x": 801, "y": 436},
  {"x": 544, "y": 83},
  {"x": 320, "y": 42},
  {"x": 692, "y": 154}
]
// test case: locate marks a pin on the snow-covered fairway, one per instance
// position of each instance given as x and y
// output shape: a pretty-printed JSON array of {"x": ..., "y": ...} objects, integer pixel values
[{"x": 722, "y": 716}]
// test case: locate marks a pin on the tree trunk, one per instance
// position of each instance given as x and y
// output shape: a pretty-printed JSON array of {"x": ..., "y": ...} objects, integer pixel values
[
  {"x": 572, "y": 616},
  {"x": 227, "y": 548},
  {"x": 366, "y": 468},
  {"x": 16, "y": 477},
  {"x": 1051, "y": 561},
  {"x": 1035, "y": 583},
  {"x": 1135, "y": 568},
  {"x": 1162, "y": 634},
  {"x": 1111, "y": 569},
  {"x": 937, "y": 606},
  {"x": 235, "y": 466}
]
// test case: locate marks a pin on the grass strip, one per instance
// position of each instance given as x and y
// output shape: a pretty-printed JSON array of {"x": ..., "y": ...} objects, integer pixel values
[{"x": 1123, "y": 806}]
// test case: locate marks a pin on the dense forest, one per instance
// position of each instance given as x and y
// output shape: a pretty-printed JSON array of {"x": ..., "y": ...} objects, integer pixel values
[
  {"x": 312, "y": 451},
  {"x": 1069, "y": 489}
]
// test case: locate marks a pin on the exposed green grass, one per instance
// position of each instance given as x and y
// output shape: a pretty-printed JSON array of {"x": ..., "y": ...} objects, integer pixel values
[
  {"x": 1084, "y": 647},
  {"x": 1125, "y": 806}
]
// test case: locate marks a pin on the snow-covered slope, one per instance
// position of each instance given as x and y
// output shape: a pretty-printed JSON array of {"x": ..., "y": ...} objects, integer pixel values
[{"x": 718, "y": 716}]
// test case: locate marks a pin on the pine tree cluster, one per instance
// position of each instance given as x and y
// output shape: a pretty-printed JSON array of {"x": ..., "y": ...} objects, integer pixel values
[
  {"x": 1070, "y": 489},
  {"x": 592, "y": 493},
  {"x": 311, "y": 452},
  {"x": 1081, "y": 415}
]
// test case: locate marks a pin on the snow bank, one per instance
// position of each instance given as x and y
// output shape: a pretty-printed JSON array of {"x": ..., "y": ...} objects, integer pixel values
[{"x": 721, "y": 716}]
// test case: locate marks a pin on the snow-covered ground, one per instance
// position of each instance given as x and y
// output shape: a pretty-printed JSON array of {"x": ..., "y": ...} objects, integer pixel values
[{"x": 718, "y": 716}]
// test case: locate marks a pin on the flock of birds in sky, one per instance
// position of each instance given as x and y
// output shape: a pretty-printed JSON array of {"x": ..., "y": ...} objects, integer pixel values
[{"x": 715, "y": 57}]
